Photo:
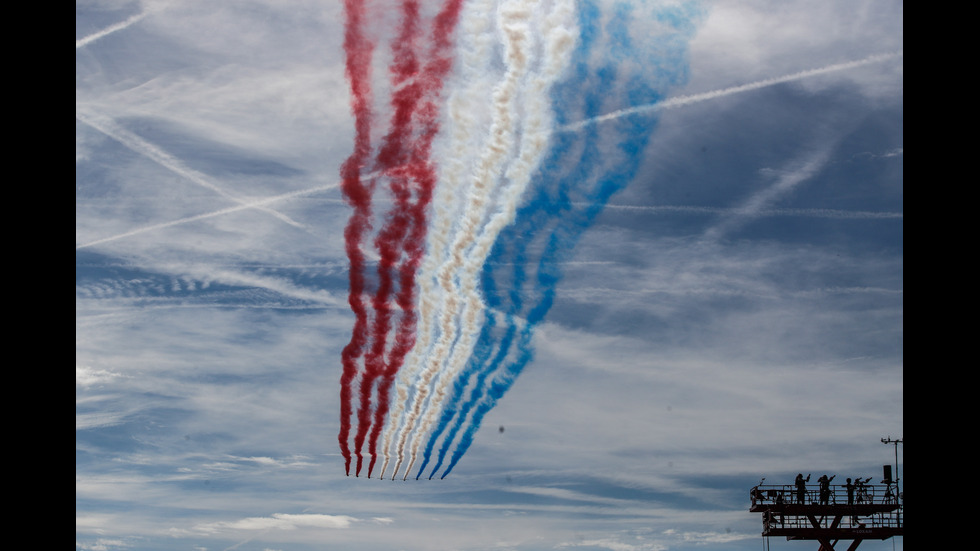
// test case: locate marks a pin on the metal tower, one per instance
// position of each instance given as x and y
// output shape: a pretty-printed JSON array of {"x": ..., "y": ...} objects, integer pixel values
[{"x": 830, "y": 513}]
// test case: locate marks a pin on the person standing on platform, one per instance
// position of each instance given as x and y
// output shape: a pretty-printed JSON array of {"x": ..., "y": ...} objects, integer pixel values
[
  {"x": 801, "y": 487},
  {"x": 824, "y": 483}
]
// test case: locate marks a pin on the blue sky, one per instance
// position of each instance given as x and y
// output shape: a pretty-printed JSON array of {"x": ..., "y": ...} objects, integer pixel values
[{"x": 735, "y": 311}]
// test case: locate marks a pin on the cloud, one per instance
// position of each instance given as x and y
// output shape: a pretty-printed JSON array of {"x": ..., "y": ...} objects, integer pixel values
[
  {"x": 102, "y": 419},
  {"x": 710, "y": 537},
  {"x": 615, "y": 545},
  {"x": 104, "y": 544},
  {"x": 280, "y": 521},
  {"x": 89, "y": 376},
  {"x": 647, "y": 541},
  {"x": 750, "y": 38}
]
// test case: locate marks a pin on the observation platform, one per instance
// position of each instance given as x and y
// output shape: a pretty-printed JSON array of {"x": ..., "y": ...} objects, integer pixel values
[{"x": 867, "y": 512}]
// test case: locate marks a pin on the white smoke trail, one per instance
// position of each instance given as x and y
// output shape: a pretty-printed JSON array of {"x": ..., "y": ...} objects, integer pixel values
[
  {"x": 681, "y": 101},
  {"x": 471, "y": 79},
  {"x": 467, "y": 125},
  {"x": 537, "y": 39}
]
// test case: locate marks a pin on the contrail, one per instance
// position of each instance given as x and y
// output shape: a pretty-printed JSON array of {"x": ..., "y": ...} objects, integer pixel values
[
  {"x": 807, "y": 213},
  {"x": 243, "y": 206},
  {"x": 110, "y": 29},
  {"x": 681, "y": 101},
  {"x": 757, "y": 202},
  {"x": 164, "y": 159}
]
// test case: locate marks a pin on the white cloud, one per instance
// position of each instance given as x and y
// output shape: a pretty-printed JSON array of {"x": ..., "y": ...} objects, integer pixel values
[
  {"x": 104, "y": 544},
  {"x": 280, "y": 521},
  {"x": 89, "y": 376},
  {"x": 744, "y": 40},
  {"x": 616, "y": 545}
]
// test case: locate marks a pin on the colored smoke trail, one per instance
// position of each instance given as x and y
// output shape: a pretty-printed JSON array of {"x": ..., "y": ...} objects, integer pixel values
[
  {"x": 535, "y": 38},
  {"x": 391, "y": 156},
  {"x": 448, "y": 326},
  {"x": 473, "y": 47},
  {"x": 358, "y": 50},
  {"x": 564, "y": 203},
  {"x": 384, "y": 338}
]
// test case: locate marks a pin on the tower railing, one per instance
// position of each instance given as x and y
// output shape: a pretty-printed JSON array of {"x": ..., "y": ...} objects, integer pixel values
[{"x": 837, "y": 494}]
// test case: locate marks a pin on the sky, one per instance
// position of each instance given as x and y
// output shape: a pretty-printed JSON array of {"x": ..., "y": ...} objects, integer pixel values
[{"x": 660, "y": 257}]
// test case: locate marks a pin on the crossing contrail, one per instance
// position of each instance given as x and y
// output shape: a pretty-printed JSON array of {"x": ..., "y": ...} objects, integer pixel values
[
  {"x": 250, "y": 205},
  {"x": 108, "y": 127}
]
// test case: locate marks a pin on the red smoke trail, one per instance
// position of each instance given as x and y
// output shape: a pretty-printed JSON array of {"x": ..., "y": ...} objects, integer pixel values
[
  {"x": 391, "y": 157},
  {"x": 416, "y": 224},
  {"x": 358, "y": 51},
  {"x": 421, "y": 171},
  {"x": 405, "y": 158}
]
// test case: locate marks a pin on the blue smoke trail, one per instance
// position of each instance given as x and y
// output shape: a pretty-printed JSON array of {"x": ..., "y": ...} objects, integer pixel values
[
  {"x": 478, "y": 365},
  {"x": 574, "y": 184}
]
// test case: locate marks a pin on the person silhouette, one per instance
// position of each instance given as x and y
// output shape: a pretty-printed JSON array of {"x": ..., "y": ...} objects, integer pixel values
[
  {"x": 801, "y": 487},
  {"x": 824, "y": 483},
  {"x": 862, "y": 490},
  {"x": 850, "y": 491}
]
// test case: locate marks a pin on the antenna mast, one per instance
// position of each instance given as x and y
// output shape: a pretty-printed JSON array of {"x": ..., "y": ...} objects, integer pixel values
[{"x": 896, "y": 442}]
